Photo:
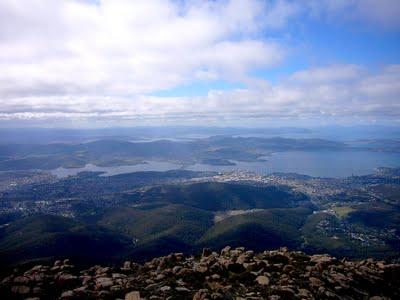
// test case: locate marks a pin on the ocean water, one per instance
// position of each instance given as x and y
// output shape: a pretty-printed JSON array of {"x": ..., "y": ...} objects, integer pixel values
[
  {"x": 115, "y": 170},
  {"x": 314, "y": 163},
  {"x": 317, "y": 163}
]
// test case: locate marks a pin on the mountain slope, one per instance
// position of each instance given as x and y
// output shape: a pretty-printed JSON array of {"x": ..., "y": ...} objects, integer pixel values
[
  {"x": 228, "y": 274},
  {"x": 48, "y": 237},
  {"x": 216, "y": 196}
]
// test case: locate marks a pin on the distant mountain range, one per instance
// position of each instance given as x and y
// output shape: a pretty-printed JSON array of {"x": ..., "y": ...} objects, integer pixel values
[{"x": 213, "y": 150}]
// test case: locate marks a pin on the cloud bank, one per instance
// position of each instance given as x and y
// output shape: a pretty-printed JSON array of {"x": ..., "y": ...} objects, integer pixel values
[{"x": 105, "y": 60}]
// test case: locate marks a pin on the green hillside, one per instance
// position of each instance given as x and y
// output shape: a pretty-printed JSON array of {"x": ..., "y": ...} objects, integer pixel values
[
  {"x": 215, "y": 196},
  {"x": 44, "y": 236},
  {"x": 187, "y": 217},
  {"x": 149, "y": 223},
  {"x": 265, "y": 229}
]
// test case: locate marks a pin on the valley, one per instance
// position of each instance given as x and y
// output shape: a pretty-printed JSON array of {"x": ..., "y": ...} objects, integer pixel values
[{"x": 146, "y": 214}]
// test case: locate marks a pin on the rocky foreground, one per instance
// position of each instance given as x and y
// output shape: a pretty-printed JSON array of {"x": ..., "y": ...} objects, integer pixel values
[{"x": 231, "y": 274}]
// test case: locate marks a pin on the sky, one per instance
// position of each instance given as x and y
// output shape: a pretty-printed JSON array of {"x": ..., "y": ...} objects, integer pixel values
[{"x": 72, "y": 63}]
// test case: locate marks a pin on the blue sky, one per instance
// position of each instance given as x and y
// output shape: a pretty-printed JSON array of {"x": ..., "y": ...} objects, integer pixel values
[
  {"x": 313, "y": 43},
  {"x": 228, "y": 62}
]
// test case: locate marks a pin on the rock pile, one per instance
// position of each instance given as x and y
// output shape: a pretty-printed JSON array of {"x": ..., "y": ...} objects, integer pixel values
[{"x": 230, "y": 274}]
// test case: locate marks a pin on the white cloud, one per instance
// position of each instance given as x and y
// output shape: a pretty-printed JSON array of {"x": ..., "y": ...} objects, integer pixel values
[
  {"x": 122, "y": 47},
  {"x": 280, "y": 12},
  {"x": 75, "y": 59},
  {"x": 334, "y": 73},
  {"x": 367, "y": 96}
]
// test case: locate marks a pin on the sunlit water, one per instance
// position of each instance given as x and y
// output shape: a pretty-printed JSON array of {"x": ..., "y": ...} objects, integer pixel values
[
  {"x": 115, "y": 170},
  {"x": 318, "y": 164}
]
